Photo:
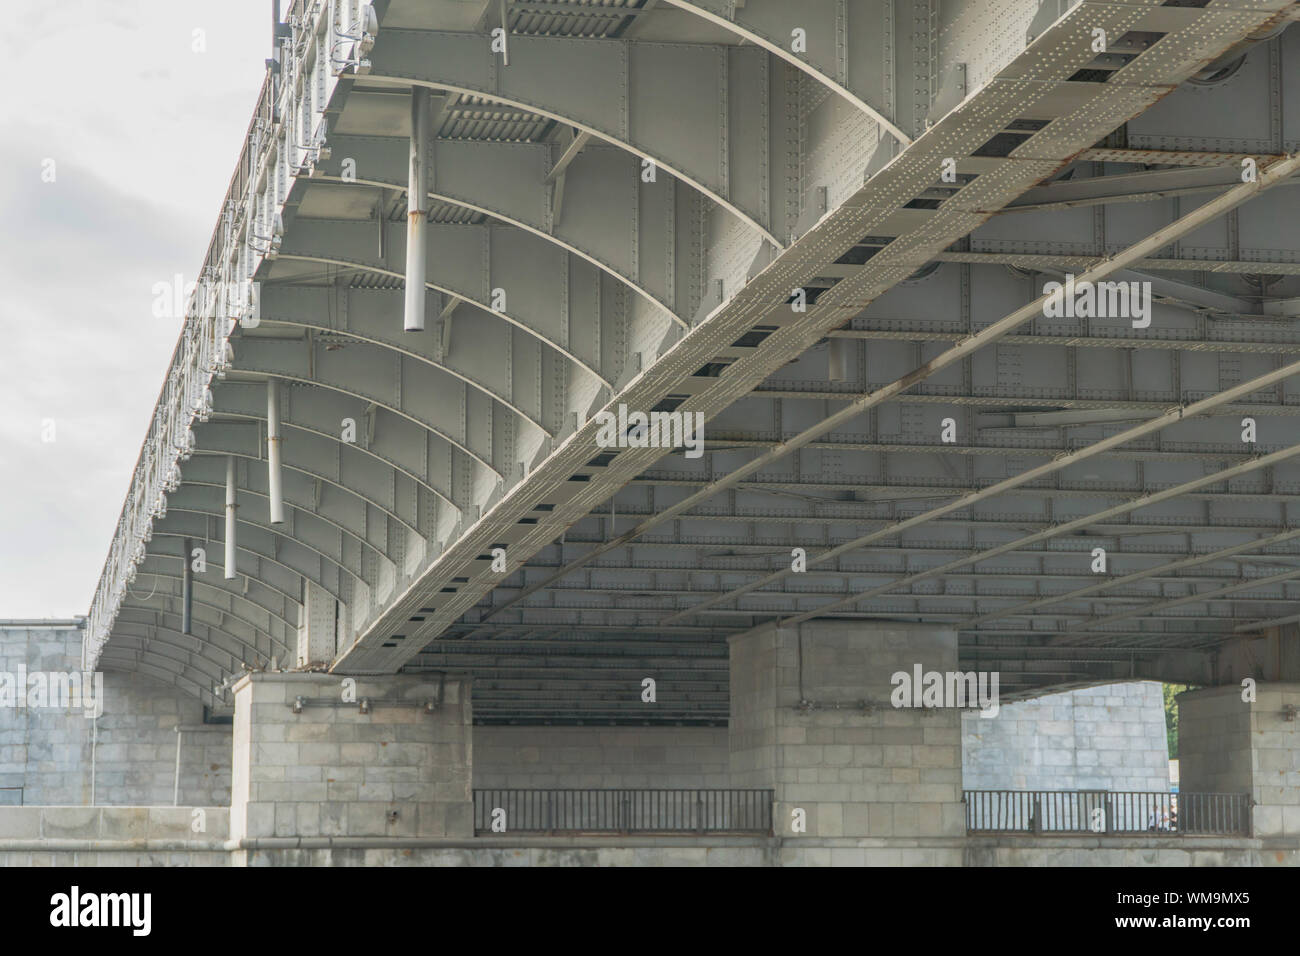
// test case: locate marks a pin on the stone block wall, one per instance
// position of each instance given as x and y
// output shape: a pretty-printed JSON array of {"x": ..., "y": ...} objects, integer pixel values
[
  {"x": 604, "y": 757},
  {"x": 878, "y": 772},
  {"x": 331, "y": 770},
  {"x": 44, "y": 754},
  {"x": 1054, "y": 742},
  {"x": 1108, "y": 737},
  {"x": 113, "y": 836},
  {"x": 125, "y": 757},
  {"x": 135, "y": 749},
  {"x": 1227, "y": 745},
  {"x": 1100, "y": 738}
]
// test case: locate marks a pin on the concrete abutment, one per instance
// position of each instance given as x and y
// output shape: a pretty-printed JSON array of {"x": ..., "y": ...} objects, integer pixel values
[
  {"x": 316, "y": 757},
  {"x": 1231, "y": 743},
  {"x": 811, "y": 719}
]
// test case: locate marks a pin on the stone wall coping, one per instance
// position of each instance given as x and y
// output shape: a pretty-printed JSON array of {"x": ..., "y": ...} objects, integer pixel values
[
  {"x": 112, "y": 846},
  {"x": 1290, "y": 687},
  {"x": 94, "y": 827},
  {"x": 1133, "y": 841}
]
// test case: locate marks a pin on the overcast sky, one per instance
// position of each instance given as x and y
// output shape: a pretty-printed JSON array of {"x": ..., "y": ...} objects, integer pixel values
[{"x": 144, "y": 130}]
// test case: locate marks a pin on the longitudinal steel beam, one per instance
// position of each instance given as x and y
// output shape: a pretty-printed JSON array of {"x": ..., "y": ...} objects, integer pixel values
[
  {"x": 1068, "y": 263},
  {"x": 1101, "y": 621},
  {"x": 1265, "y": 625},
  {"x": 1275, "y": 173},
  {"x": 1092, "y": 340},
  {"x": 918, "y": 489},
  {"x": 1108, "y": 409},
  {"x": 1045, "y": 449},
  {"x": 1227, "y": 474},
  {"x": 1173, "y": 157},
  {"x": 1019, "y": 610},
  {"x": 1130, "y": 187},
  {"x": 612, "y": 579}
]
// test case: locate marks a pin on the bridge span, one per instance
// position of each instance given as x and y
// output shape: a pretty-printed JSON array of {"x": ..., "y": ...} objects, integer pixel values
[{"x": 985, "y": 309}]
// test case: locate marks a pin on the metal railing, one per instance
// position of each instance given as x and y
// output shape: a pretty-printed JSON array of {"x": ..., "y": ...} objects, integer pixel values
[
  {"x": 622, "y": 811},
  {"x": 284, "y": 136},
  {"x": 1107, "y": 812}
]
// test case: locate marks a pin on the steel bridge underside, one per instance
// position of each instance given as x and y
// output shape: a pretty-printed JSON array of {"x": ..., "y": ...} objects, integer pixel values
[{"x": 621, "y": 206}]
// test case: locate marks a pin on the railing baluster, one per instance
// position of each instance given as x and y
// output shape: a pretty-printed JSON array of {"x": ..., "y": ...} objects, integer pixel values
[
  {"x": 598, "y": 810},
  {"x": 564, "y": 810},
  {"x": 1127, "y": 811}
]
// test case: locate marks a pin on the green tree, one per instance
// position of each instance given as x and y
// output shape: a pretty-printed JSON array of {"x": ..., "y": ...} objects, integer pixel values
[{"x": 1171, "y": 716}]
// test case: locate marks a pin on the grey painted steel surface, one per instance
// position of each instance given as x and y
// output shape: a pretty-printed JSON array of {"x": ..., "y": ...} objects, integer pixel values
[{"x": 618, "y": 215}]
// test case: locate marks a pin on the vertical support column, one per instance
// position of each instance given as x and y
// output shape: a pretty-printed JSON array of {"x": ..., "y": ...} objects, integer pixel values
[
  {"x": 275, "y": 490},
  {"x": 230, "y": 517},
  {"x": 855, "y": 780},
  {"x": 317, "y": 626},
  {"x": 1227, "y": 745},
  {"x": 417, "y": 214},
  {"x": 319, "y": 757},
  {"x": 187, "y": 588}
]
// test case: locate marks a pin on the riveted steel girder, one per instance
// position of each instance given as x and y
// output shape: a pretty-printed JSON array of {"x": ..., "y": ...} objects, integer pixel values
[
  {"x": 364, "y": 482},
  {"x": 267, "y": 610},
  {"x": 315, "y": 418},
  {"x": 537, "y": 281},
  {"x": 305, "y": 529},
  {"x": 269, "y": 635},
  {"x": 416, "y": 391},
  {"x": 845, "y": 45},
  {"x": 372, "y": 316},
  {"x": 515, "y": 462},
  {"x": 346, "y": 520},
  {"x": 154, "y": 663},
  {"x": 667, "y": 103},
  {"x": 640, "y": 233},
  {"x": 1081, "y": 116},
  {"x": 264, "y": 550}
]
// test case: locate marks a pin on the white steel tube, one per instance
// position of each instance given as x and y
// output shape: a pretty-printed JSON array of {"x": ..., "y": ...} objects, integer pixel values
[
  {"x": 230, "y": 517},
  {"x": 275, "y": 492},
  {"x": 416, "y": 211}
]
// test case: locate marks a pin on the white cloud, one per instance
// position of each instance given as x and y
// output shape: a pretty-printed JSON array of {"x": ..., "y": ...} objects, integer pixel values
[{"x": 145, "y": 133}]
